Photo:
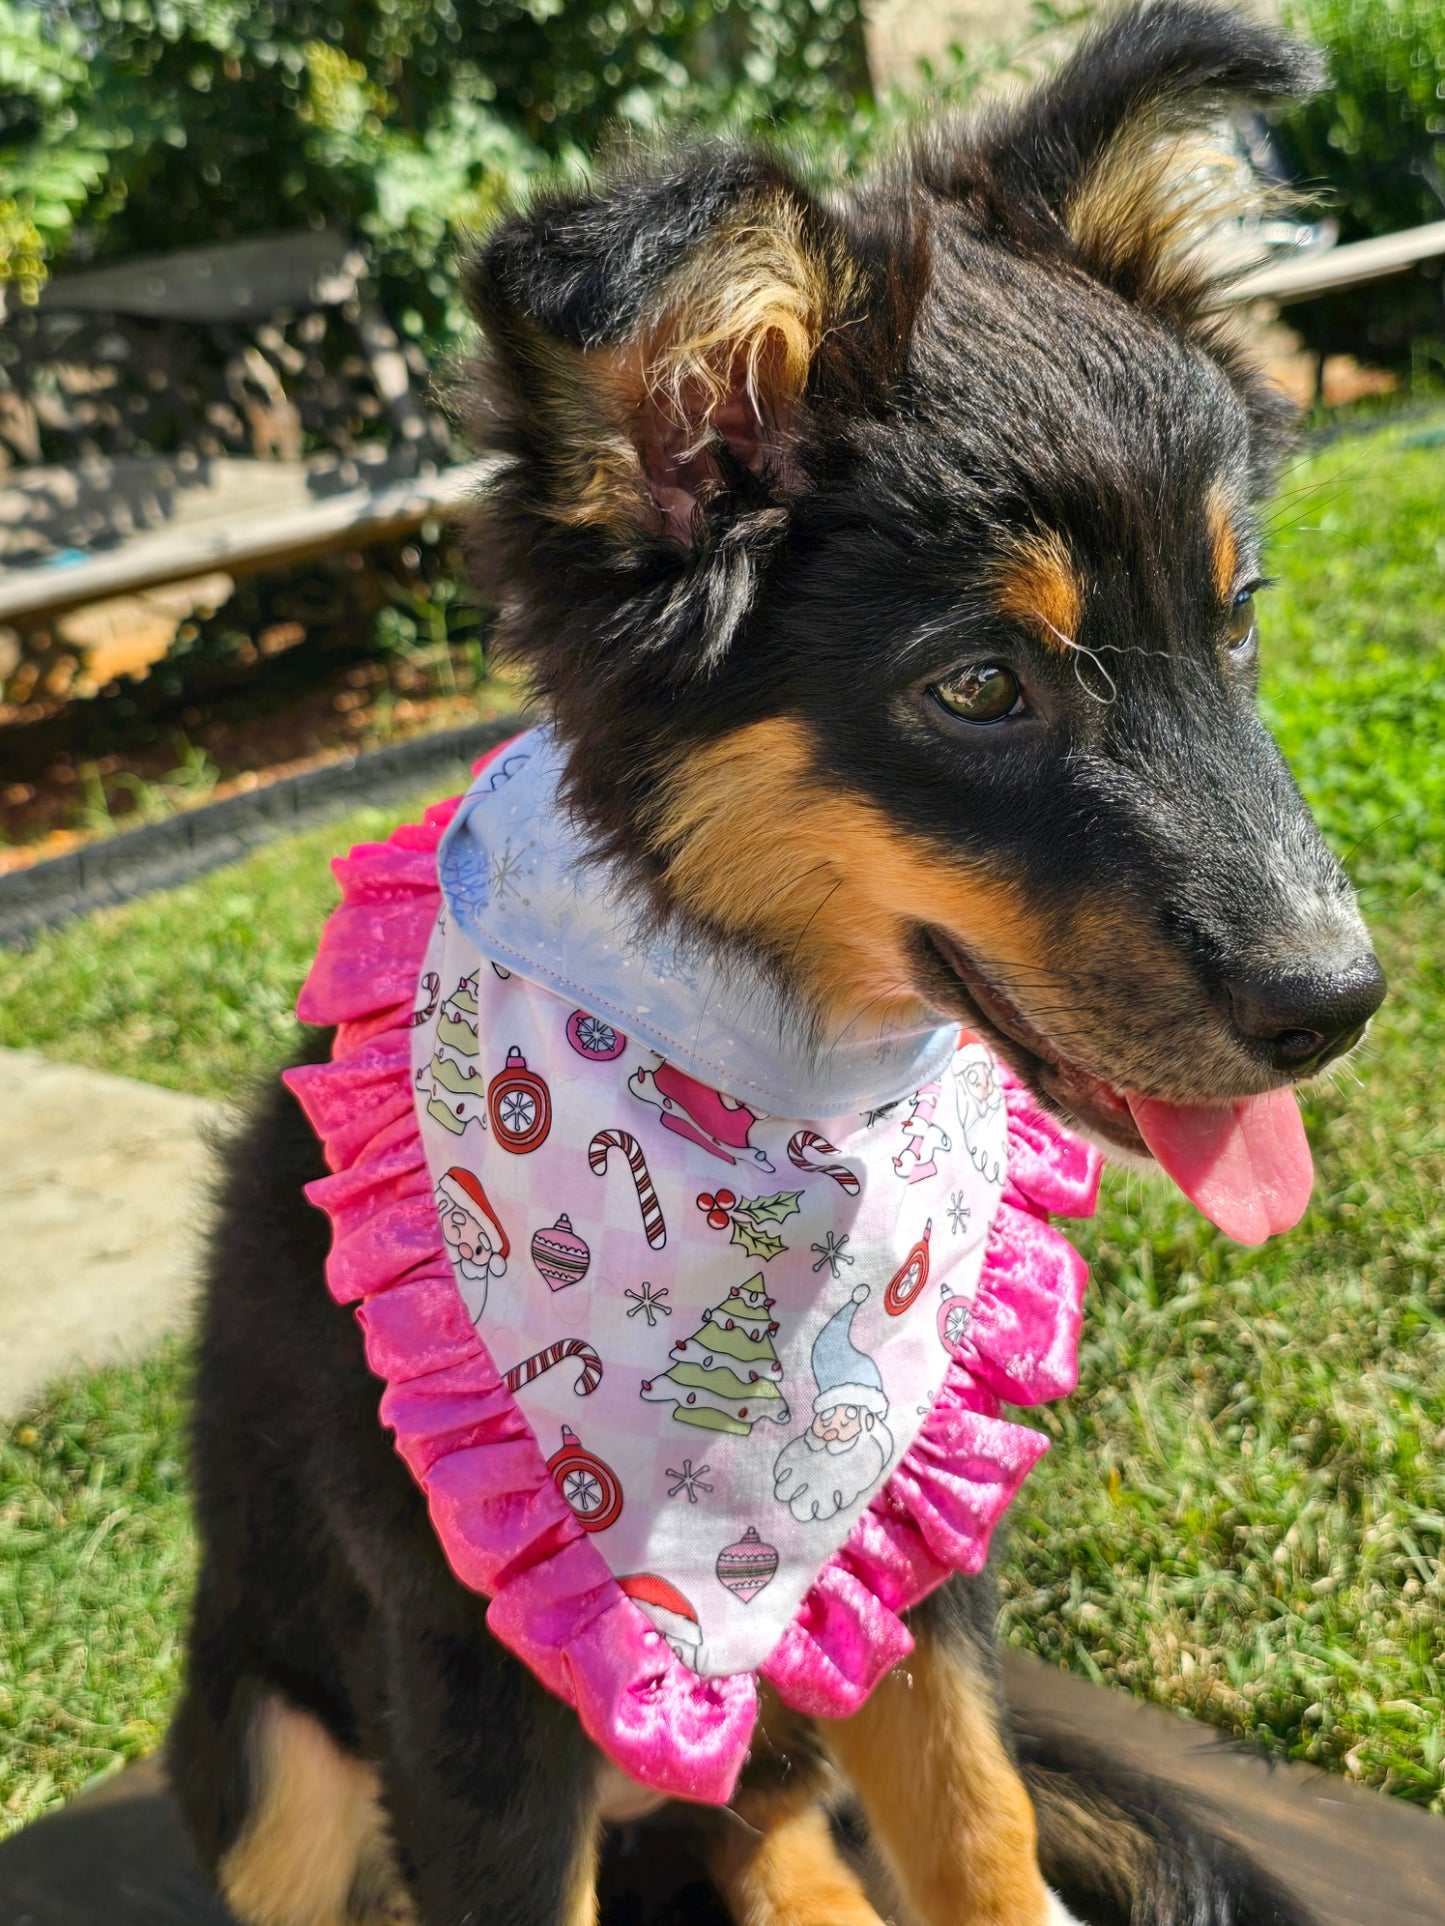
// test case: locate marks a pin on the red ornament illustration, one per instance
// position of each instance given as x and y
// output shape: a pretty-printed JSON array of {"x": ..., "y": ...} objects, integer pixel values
[
  {"x": 910, "y": 1277},
  {"x": 953, "y": 1317},
  {"x": 594, "y": 1038},
  {"x": 519, "y": 1105},
  {"x": 590, "y": 1486}
]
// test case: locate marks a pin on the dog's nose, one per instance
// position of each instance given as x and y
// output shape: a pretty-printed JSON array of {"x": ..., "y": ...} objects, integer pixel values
[{"x": 1304, "y": 1019}]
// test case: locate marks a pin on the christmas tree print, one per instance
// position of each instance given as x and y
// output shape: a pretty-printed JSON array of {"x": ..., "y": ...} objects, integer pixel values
[
  {"x": 725, "y": 1377},
  {"x": 452, "y": 1083}
]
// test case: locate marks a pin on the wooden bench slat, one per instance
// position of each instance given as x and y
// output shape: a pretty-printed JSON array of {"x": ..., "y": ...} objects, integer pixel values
[
  {"x": 237, "y": 281},
  {"x": 240, "y": 544},
  {"x": 1342, "y": 267}
]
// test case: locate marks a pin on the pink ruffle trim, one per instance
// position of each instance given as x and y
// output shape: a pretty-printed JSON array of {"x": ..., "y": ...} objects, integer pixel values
[{"x": 505, "y": 1528}]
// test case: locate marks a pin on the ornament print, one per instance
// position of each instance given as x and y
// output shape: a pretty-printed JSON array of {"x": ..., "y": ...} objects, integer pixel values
[
  {"x": 591, "y": 1487},
  {"x": 593, "y": 1038},
  {"x": 654, "y": 1229},
  {"x": 726, "y": 1375},
  {"x": 560, "y": 1255},
  {"x": 748, "y": 1567},
  {"x": 910, "y": 1277},
  {"x": 519, "y": 1105}
]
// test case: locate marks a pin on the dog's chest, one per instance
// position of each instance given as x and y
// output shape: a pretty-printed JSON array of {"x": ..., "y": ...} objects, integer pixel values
[{"x": 723, "y": 1328}]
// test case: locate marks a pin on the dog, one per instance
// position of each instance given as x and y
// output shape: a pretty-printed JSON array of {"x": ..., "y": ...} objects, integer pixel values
[{"x": 886, "y": 562}]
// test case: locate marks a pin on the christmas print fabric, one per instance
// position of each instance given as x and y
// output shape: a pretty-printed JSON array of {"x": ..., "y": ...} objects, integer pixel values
[
  {"x": 432, "y": 1240},
  {"x": 724, "y": 1329}
]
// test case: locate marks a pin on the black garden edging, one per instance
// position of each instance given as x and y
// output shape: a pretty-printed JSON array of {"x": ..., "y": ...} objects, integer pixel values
[{"x": 170, "y": 852}]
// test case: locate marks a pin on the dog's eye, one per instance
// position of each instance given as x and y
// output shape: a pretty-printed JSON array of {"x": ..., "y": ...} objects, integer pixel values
[
  {"x": 1241, "y": 620},
  {"x": 983, "y": 692}
]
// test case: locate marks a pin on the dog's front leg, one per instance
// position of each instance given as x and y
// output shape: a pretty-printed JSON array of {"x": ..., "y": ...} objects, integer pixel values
[
  {"x": 490, "y": 1787},
  {"x": 928, "y": 1760}
]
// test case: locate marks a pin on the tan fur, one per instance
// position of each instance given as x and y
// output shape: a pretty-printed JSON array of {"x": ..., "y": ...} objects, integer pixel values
[
  {"x": 315, "y": 1849},
  {"x": 758, "y": 790},
  {"x": 1142, "y": 215},
  {"x": 745, "y": 315},
  {"x": 1224, "y": 541},
  {"x": 1039, "y": 586},
  {"x": 751, "y": 305},
  {"x": 942, "y": 1799},
  {"x": 579, "y": 1903},
  {"x": 794, "y": 1875}
]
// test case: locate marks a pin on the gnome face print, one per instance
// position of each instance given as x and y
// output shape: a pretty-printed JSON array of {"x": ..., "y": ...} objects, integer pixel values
[
  {"x": 711, "y": 1118},
  {"x": 846, "y": 1449},
  {"x": 475, "y": 1241}
]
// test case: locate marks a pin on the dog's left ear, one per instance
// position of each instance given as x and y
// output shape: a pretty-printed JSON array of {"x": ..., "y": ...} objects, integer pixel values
[{"x": 1106, "y": 158}]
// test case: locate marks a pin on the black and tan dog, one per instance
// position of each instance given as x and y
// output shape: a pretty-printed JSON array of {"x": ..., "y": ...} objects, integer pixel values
[{"x": 898, "y": 547}]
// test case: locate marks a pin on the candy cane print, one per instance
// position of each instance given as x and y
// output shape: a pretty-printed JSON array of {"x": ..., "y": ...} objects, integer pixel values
[
  {"x": 624, "y": 1141},
  {"x": 808, "y": 1140},
  {"x": 588, "y": 1379}
]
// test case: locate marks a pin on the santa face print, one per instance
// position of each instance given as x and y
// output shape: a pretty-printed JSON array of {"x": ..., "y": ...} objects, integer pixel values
[
  {"x": 838, "y": 1426},
  {"x": 475, "y": 1241}
]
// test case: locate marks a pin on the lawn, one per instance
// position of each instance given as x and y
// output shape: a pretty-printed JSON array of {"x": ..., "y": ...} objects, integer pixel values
[{"x": 1244, "y": 1510}]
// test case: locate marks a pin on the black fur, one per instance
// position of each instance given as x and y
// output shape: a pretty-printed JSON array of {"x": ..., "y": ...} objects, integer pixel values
[{"x": 988, "y": 367}]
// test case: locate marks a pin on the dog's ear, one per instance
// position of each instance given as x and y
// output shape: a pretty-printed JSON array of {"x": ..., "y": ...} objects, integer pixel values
[
  {"x": 1109, "y": 151},
  {"x": 651, "y": 344}
]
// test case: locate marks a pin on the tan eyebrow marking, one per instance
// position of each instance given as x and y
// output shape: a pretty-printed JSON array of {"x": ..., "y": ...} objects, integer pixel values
[
  {"x": 1224, "y": 541},
  {"x": 1039, "y": 585}
]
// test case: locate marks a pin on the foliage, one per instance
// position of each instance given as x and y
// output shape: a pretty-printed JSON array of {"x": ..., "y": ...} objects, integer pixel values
[
  {"x": 1375, "y": 139},
  {"x": 128, "y": 126},
  {"x": 1244, "y": 1510}
]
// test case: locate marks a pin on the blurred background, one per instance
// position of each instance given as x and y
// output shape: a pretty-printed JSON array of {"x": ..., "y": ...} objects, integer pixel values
[{"x": 229, "y": 235}]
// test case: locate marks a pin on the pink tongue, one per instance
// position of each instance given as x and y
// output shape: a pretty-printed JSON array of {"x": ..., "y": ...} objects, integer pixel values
[{"x": 1246, "y": 1165}]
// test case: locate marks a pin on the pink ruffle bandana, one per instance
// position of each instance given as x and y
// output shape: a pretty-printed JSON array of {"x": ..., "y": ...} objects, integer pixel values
[{"x": 697, "y": 1394}]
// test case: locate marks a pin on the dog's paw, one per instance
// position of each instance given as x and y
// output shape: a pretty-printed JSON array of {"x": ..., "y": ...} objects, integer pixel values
[{"x": 1058, "y": 1913}]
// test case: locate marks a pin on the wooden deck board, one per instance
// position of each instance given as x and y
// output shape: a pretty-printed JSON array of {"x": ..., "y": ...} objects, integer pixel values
[{"x": 116, "y": 1857}]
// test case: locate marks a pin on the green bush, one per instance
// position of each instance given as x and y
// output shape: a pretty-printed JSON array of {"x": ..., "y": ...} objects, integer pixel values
[
  {"x": 1375, "y": 140},
  {"x": 130, "y": 126}
]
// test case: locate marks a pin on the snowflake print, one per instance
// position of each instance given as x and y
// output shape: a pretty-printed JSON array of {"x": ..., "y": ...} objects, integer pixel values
[
  {"x": 509, "y": 870},
  {"x": 518, "y": 1110},
  {"x": 647, "y": 1299},
  {"x": 832, "y": 1253},
  {"x": 958, "y": 1212},
  {"x": 688, "y": 1480}
]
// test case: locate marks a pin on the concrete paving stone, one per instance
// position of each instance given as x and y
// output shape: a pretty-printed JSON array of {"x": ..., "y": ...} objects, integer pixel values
[{"x": 103, "y": 1207}]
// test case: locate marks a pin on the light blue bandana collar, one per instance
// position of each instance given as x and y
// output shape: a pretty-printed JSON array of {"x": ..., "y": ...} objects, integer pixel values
[{"x": 516, "y": 879}]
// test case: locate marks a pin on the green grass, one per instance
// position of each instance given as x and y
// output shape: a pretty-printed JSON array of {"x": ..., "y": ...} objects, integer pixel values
[{"x": 1244, "y": 1510}]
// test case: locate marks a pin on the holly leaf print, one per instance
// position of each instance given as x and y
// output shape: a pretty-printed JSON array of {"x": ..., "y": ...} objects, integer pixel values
[
  {"x": 776, "y": 1209},
  {"x": 756, "y": 1241}
]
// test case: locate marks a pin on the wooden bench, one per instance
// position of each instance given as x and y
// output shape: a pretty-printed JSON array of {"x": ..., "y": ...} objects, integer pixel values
[{"x": 199, "y": 416}]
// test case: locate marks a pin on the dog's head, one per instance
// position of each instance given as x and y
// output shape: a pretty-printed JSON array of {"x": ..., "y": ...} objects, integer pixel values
[{"x": 889, "y": 563}]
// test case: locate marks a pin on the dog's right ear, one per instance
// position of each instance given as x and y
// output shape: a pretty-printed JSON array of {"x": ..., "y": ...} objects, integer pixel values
[{"x": 651, "y": 348}]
